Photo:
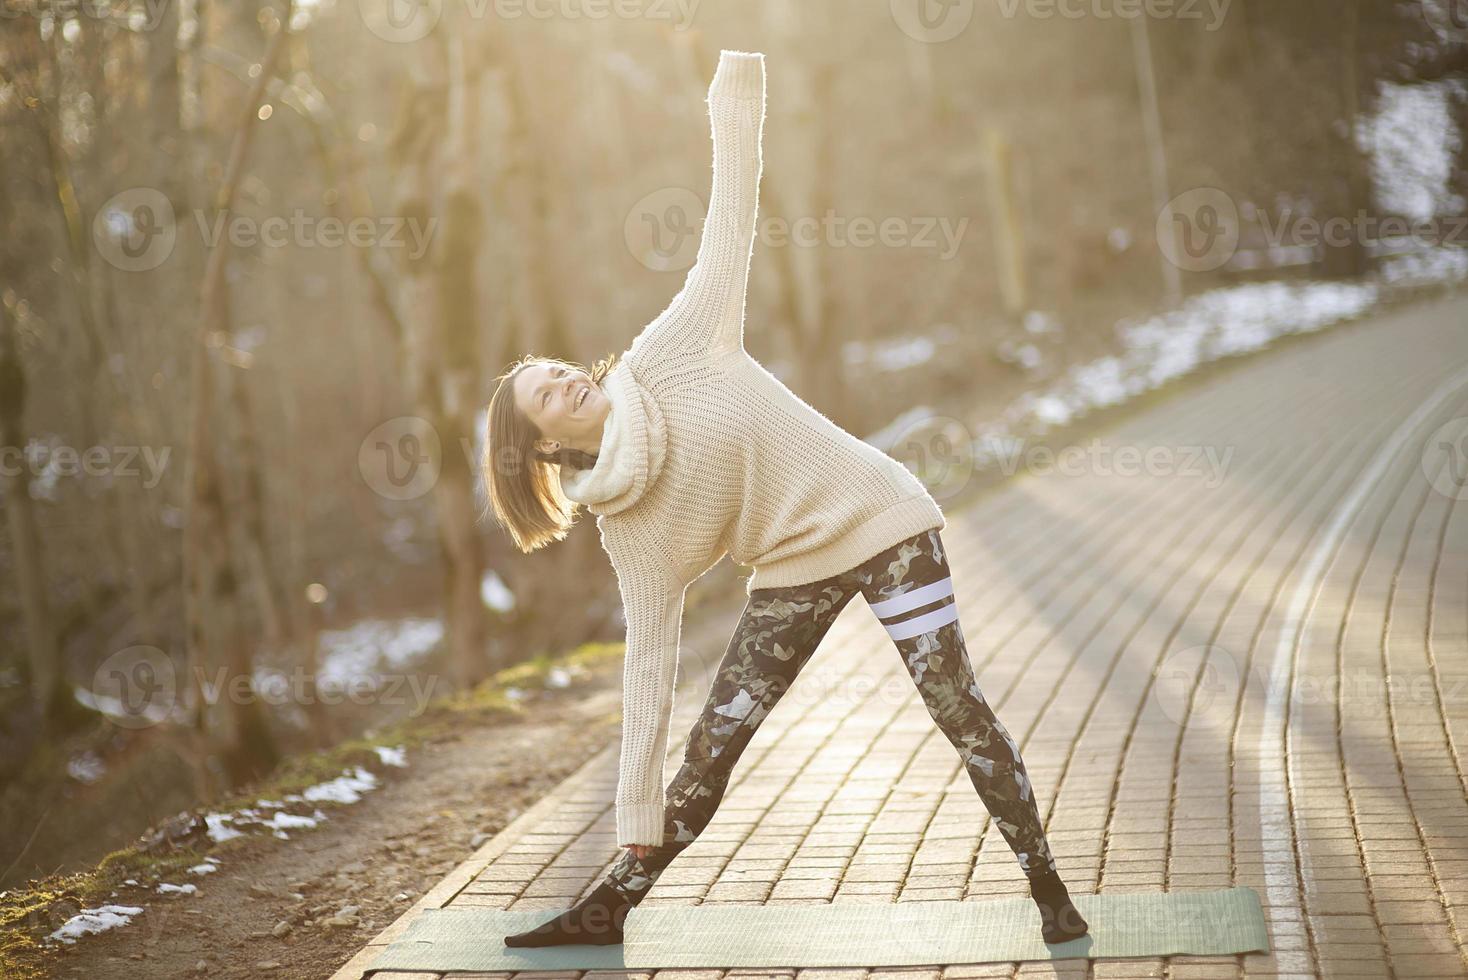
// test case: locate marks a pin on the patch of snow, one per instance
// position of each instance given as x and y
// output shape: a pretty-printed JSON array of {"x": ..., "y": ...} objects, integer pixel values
[
  {"x": 150, "y": 714},
  {"x": 494, "y": 593},
  {"x": 1435, "y": 265},
  {"x": 1157, "y": 349},
  {"x": 889, "y": 355},
  {"x": 207, "y": 868},
  {"x": 86, "y": 768},
  {"x": 347, "y": 788},
  {"x": 164, "y": 888},
  {"x": 218, "y": 832},
  {"x": 358, "y": 657},
  {"x": 357, "y": 650},
  {"x": 392, "y": 757},
  {"x": 1040, "y": 322},
  {"x": 291, "y": 821},
  {"x": 90, "y": 921},
  {"x": 1412, "y": 142}
]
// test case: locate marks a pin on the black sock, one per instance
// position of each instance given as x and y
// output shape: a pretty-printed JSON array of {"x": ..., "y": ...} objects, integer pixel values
[
  {"x": 1060, "y": 921},
  {"x": 596, "y": 920}
]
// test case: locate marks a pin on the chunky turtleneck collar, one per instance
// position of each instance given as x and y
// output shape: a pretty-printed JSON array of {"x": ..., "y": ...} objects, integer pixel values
[{"x": 633, "y": 443}]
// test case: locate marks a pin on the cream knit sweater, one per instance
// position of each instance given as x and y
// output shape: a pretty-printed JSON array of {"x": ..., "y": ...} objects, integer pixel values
[{"x": 705, "y": 453}]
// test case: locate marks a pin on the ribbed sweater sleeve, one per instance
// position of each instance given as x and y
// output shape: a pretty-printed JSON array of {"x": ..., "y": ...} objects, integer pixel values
[
  {"x": 707, "y": 315},
  {"x": 652, "y": 601}
]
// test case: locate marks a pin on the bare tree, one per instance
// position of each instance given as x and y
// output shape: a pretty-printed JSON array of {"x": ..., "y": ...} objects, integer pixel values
[
  {"x": 211, "y": 584},
  {"x": 435, "y": 150},
  {"x": 43, "y": 654}
]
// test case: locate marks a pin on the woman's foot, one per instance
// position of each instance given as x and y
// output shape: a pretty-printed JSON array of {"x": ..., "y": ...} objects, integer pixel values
[
  {"x": 1060, "y": 921},
  {"x": 596, "y": 920}
]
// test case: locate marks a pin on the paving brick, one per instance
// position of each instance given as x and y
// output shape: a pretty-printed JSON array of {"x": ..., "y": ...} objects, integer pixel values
[{"x": 1106, "y": 584}]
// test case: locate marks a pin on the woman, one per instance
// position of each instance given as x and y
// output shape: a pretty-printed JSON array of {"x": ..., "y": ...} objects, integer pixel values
[{"x": 687, "y": 449}]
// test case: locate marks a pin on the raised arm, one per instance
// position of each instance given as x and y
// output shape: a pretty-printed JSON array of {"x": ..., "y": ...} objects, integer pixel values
[
  {"x": 707, "y": 315},
  {"x": 652, "y": 599}
]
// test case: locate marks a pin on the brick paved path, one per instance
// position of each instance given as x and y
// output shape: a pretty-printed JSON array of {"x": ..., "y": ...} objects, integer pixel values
[{"x": 1258, "y": 679}]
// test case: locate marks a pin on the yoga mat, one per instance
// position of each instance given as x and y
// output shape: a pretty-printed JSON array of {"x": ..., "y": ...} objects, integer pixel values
[{"x": 1198, "y": 923}]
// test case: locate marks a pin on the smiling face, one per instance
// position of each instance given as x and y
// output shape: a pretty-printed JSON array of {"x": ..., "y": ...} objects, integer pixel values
[{"x": 564, "y": 404}]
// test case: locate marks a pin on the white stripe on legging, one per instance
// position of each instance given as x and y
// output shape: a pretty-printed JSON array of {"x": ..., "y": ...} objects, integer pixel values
[
  {"x": 887, "y": 608},
  {"x": 925, "y": 623}
]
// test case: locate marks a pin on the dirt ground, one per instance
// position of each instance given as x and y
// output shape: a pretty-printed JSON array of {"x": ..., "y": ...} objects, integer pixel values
[{"x": 284, "y": 909}]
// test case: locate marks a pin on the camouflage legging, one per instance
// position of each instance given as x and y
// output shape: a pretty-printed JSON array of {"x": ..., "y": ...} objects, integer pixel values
[{"x": 910, "y": 590}]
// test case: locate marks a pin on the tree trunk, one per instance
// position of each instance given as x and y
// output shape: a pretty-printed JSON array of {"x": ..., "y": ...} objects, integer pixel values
[
  {"x": 439, "y": 166},
  {"x": 42, "y": 651},
  {"x": 1348, "y": 259},
  {"x": 210, "y": 584},
  {"x": 1172, "y": 282}
]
